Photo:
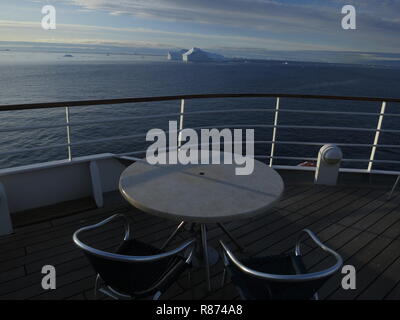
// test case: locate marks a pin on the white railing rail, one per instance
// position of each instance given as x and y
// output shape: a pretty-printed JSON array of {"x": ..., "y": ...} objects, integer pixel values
[
  {"x": 69, "y": 125},
  {"x": 274, "y": 131},
  {"x": 181, "y": 115},
  {"x": 377, "y": 135}
]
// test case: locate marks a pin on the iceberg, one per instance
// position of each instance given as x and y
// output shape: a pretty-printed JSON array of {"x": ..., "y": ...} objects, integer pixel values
[
  {"x": 196, "y": 54},
  {"x": 176, "y": 55}
]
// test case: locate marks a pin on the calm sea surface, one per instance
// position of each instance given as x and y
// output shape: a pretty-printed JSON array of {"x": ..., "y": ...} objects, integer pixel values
[{"x": 29, "y": 78}]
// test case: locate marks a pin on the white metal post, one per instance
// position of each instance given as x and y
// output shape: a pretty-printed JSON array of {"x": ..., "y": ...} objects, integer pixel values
[
  {"x": 181, "y": 122},
  {"x": 377, "y": 134},
  {"x": 68, "y": 133},
  {"x": 274, "y": 132}
]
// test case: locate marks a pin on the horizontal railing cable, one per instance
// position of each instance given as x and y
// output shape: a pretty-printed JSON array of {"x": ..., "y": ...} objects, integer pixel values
[
  {"x": 82, "y": 103},
  {"x": 276, "y": 127}
]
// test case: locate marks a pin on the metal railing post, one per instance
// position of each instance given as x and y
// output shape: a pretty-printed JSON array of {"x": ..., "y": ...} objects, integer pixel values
[
  {"x": 377, "y": 134},
  {"x": 274, "y": 132},
  {"x": 181, "y": 122},
  {"x": 68, "y": 133}
]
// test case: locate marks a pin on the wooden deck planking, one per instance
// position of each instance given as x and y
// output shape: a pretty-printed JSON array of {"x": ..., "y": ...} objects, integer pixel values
[{"x": 356, "y": 221}]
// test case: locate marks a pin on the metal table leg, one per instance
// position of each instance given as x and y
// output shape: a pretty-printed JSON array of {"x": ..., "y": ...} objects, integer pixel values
[
  {"x": 173, "y": 234},
  {"x": 205, "y": 254},
  {"x": 394, "y": 187},
  {"x": 241, "y": 248}
]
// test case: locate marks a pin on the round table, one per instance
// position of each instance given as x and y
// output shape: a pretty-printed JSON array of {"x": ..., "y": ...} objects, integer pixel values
[{"x": 201, "y": 193}]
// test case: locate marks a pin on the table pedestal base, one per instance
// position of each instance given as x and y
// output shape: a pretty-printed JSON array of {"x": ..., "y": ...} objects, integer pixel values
[
  {"x": 198, "y": 260},
  {"x": 204, "y": 255}
]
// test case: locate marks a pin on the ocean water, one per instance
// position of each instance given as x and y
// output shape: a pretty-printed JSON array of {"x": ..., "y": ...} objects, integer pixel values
[{"x": 50, "y": 77}]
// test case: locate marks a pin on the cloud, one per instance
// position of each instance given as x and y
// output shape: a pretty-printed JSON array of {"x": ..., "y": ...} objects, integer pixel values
[
  {"x": 306, "y": 21},
  {"x": 258, "y": 14},
  {"x": 75, "y": 30},
  {"x": 264, "y": 24},
  {"x": 263, "y": 14}
]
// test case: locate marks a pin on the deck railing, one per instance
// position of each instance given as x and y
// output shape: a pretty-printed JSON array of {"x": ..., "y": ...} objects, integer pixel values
[{"x": 275, "y": 126}]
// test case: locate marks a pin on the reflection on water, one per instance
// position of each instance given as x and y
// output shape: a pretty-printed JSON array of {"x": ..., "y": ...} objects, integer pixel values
[{"x": 28, "y": 78}]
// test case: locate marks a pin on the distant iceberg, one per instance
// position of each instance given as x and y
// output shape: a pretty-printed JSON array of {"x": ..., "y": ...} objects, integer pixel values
[
  {"x": 196, "y": 54},
  {"x": 176, "y": 55}
]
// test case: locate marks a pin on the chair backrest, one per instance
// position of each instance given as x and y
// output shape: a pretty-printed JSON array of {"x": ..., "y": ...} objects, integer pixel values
[
  {"x": 131, "y": 275},
  {"x": 286, "y": 286}
]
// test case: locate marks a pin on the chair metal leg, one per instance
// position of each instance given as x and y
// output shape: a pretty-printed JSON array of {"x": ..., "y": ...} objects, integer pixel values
[
  {"x": 96, "y": 286},
  {"x": 108, "y": 293},
  {"x": 157, "y": 295},
  {"x": 226, "y": 231},
  {"x": 223, "y": 278},
  {"x": 173, "y": 235},
  {"x": 394, "y": 187},
  {"x": 205, "y": 254}
]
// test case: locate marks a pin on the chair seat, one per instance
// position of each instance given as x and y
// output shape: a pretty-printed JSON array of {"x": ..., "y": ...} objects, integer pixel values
[
  {"x": 253, "y": 288},
  {"x": 150, "y": 273},
  {"x": 137, "y": 248},
  {"x": 135, "y": 269}
]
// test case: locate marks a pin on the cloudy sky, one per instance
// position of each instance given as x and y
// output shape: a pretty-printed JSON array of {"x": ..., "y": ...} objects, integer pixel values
[{"x": 243, "y": 27}]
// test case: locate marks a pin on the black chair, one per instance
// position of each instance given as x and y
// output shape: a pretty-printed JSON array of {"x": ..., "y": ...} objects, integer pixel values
[
  {"x": 280, "y": 277},
  {"x": 136, "y": 269}
]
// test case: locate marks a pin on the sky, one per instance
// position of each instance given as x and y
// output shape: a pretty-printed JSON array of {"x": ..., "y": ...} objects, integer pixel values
[{"x": 248, "y": 28}]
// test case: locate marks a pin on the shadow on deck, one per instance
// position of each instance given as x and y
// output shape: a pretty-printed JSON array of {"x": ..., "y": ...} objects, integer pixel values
[{"x": 357, "y": 222}]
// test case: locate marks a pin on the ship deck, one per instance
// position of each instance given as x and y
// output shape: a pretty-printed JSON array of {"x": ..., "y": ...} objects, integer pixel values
[{"x": 355, "y": 220}]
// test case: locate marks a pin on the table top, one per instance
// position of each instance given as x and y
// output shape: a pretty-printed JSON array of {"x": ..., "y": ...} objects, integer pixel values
[{"x": 202, "y": 193}]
